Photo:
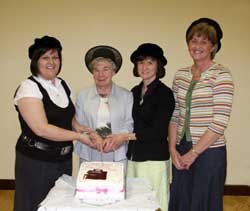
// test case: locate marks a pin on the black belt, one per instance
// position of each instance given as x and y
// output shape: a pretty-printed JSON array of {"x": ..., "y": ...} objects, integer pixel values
[{"x": 31, "y": 142}]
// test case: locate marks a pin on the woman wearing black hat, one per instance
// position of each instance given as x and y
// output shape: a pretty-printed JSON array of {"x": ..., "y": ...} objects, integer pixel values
[
  {"x": 203, "y": 95},
  {"x": 45, "y": 111},
  {"x": 152, "y": 110}
]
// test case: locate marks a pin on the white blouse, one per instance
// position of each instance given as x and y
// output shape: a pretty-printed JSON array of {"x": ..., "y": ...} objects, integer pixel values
[
  {"x": 29, "y": 88},
  {"x": 103, "y": 115}
]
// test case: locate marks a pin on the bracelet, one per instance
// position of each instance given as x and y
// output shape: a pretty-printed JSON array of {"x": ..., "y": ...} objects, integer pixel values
[
  {"x": 130, "y": 137},
  {"x": 195, "y": 152}
]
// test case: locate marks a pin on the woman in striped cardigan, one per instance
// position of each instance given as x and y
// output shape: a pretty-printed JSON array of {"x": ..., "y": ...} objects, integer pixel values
[{"x": 203, "y": 94}]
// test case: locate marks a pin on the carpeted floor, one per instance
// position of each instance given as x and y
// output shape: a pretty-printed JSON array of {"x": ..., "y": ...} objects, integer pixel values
[{"x": 231, "y": 203}]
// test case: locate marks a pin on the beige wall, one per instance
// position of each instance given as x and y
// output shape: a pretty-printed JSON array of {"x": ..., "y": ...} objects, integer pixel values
[{"x": 81, "y": 24}]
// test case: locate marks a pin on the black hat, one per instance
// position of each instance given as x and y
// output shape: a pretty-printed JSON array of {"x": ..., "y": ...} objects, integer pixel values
[
  {"x": 149, "y": 49},
  {"x": 44, "y": 42},
  {"x": 105, "y": 52},
  {"x": 212, "y": 23}
]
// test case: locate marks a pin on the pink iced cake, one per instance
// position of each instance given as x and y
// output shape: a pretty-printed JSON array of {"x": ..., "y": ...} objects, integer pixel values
[{"x": 100, "y": 183}]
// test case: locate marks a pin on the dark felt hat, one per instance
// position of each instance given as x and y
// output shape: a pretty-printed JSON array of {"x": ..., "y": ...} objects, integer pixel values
[
  {"x": 105, "y": 52},
  {"x": 149, "y": 49},
  {"x": 44, "y": 42},
  {"x": 212, "y": 23}
]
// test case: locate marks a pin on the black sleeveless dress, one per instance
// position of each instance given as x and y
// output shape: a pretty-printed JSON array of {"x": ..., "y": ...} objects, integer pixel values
[{"x": 36, "y": 170}]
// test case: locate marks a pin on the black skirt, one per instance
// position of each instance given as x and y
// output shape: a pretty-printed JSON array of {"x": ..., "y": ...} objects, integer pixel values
[
  {"x": 201, "y": 187},
  {"x": 34, "y": 179}
]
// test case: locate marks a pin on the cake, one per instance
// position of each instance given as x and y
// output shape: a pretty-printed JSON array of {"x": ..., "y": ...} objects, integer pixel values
[{"x": 100, "y": 183}]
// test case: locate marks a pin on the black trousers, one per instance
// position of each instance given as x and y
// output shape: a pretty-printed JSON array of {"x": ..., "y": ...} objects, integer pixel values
[
  {"x": 34, "y": 179},
  {"x": 201, "y": 187}
]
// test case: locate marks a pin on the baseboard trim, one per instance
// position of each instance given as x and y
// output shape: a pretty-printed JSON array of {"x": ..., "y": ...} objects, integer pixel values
[
  {"x": 7, "y": 184},
  {"x": 236, "y": 190}
]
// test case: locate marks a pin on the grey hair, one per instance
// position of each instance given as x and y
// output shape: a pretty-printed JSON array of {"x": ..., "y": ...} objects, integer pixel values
[{"x": 101, "y": 59}]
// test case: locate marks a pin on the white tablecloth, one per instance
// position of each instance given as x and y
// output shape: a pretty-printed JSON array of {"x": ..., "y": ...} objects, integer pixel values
[{"x": 139, "y": 197}]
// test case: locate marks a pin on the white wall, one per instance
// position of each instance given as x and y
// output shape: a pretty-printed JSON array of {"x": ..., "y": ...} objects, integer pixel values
[{"x": 81, "y": 24}]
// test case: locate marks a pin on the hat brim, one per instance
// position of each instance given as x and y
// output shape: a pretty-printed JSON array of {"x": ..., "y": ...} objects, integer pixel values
[
  {"x": 90, "y": 56},
  {"x": 137, "y": 53}
]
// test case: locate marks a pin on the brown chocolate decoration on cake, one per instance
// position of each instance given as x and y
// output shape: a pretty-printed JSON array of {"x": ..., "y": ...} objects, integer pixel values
[{"x": 95, "y": 174}]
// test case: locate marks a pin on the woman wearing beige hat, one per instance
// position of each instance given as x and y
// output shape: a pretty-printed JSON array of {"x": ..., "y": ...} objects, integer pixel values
[{"x": 105, "y": 108}]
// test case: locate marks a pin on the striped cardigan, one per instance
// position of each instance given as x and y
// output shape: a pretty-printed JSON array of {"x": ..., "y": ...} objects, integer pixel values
[{"x": 211, "y": 102}]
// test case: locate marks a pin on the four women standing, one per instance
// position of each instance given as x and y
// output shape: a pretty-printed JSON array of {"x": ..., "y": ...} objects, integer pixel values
[{"x": 201, "y": 103}]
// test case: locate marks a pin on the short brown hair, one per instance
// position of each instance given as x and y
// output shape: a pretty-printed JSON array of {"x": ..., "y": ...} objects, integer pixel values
[
  {"x": 161, "y": 71},
  {"x": 204, "y": 29},
  {"x": 36, "y": 56}
]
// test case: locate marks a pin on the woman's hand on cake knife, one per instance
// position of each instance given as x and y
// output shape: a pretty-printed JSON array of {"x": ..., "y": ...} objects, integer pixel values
[
  {"x": 85, "y": 139},
  {"x": 80, "y": 128},
  {"x": 97, "y": 141},
  {"x": 113, "y": 142}
]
